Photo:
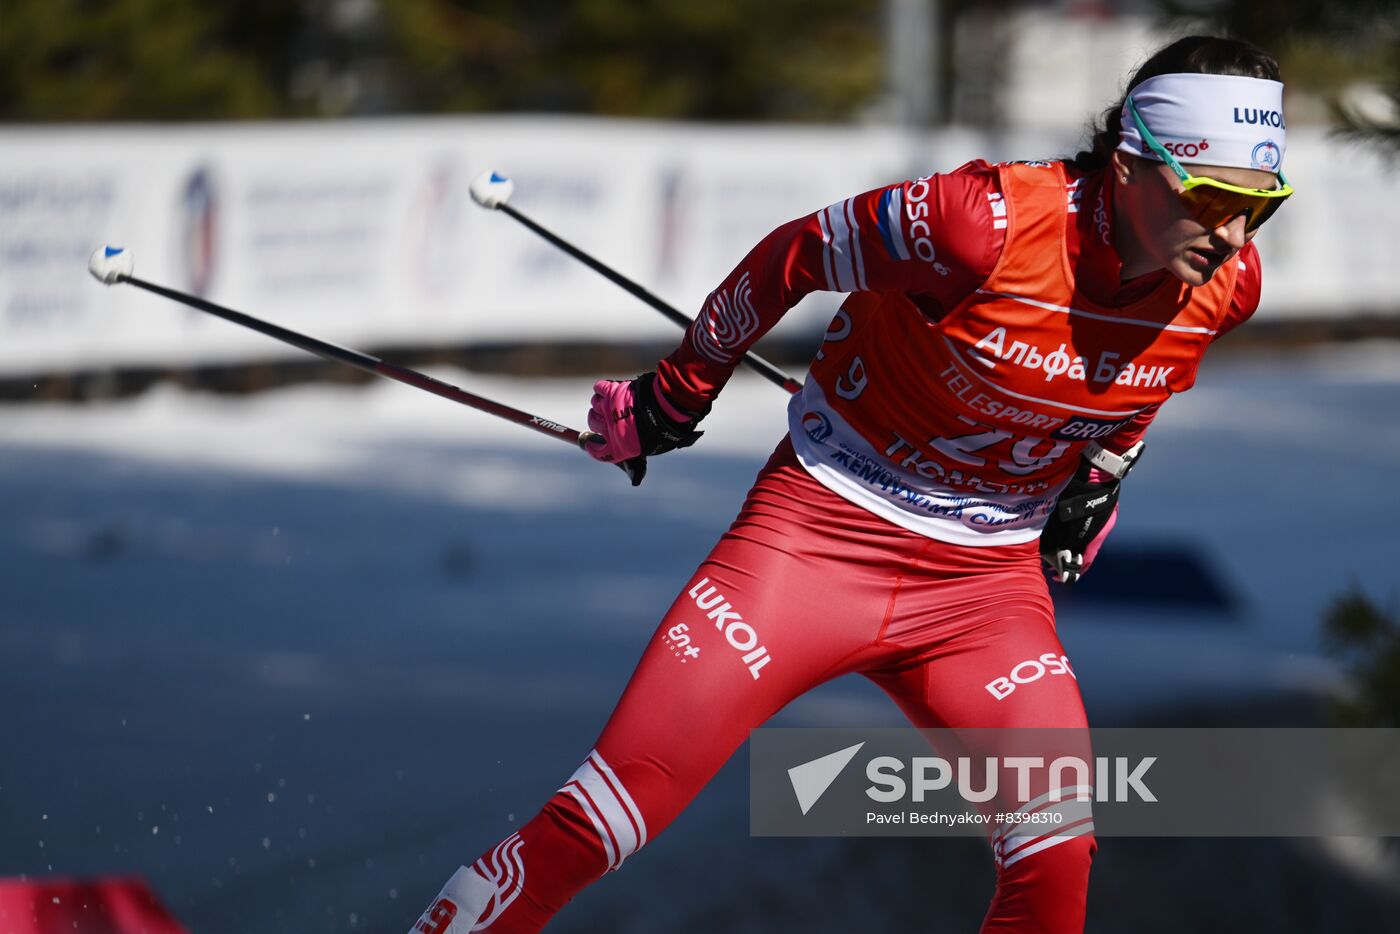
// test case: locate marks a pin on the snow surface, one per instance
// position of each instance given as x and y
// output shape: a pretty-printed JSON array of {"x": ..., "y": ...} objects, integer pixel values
[{"x": 295, "y": 656}]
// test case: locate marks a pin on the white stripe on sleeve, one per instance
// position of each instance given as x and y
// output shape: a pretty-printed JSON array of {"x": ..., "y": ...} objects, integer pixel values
[
  {"x": 839, "y": 248},
  {"x": 826, "y": 250},
  {"x": 857, "y": 256}
]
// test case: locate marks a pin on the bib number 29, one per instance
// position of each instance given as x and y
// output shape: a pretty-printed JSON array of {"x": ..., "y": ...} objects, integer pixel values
[{"x": 1026, "y": 454}]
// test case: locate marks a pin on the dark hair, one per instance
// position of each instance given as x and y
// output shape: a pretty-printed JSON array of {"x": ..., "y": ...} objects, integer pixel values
[{"x": 1205, "y": 55}]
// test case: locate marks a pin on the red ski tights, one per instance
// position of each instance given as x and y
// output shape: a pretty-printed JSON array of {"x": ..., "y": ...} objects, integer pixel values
[{"x": 804, "y": 587}]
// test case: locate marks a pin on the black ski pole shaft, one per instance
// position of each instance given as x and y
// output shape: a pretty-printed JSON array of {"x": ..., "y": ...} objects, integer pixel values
[
  {"x": 370, "y": 364},
  {"x": 768, "y": 370}
]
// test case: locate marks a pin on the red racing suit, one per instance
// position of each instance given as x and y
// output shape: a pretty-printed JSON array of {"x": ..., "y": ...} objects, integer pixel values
[{"x": 986, "y": 341}]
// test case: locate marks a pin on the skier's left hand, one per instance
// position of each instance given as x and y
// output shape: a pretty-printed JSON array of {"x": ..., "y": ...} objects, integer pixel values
[
  {"x": 1084, "y": 514},
  {"x": 636, "y": 421}
]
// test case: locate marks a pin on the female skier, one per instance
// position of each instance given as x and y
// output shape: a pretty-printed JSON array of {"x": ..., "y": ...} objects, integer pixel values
[{"x": 1011, "y": 331}]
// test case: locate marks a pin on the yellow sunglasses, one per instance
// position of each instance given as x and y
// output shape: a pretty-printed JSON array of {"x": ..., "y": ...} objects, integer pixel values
[{"x": 1212, "y": 202}]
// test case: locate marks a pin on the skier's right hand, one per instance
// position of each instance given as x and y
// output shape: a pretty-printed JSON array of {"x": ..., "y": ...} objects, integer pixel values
[{"x": 635, "y": 422}]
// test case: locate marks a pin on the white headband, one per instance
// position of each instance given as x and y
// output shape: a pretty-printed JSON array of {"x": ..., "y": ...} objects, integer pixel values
[{"x": 1209, "y": 119}]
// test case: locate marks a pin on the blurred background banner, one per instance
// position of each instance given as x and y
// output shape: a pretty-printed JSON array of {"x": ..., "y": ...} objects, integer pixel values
[
  {"x": 360, "y": 229},
  {"x": 363, "y": 232}
]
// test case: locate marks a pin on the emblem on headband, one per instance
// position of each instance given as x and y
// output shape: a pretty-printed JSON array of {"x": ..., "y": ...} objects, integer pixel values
[{"x": 1265, "y": 156}]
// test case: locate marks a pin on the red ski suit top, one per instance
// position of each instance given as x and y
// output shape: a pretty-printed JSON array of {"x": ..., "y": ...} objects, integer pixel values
[{"x": 988, "y": 338}]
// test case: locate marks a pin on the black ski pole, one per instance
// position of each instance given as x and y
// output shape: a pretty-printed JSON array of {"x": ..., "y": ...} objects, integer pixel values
[
  {"x": 491, "y": 190},
  {"x": 113, "y": 265}
]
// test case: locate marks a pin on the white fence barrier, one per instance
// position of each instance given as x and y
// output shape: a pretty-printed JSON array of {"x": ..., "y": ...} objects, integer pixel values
[{"x": 363, "y": 232}]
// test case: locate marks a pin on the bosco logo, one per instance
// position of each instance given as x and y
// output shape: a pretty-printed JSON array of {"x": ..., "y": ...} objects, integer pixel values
[
  {"x": 1027, "y": 672},
  {"x": 1187, "y": 150},
  {"x": 916, "y": 209},
  {"x": 1266, "y": 155}
]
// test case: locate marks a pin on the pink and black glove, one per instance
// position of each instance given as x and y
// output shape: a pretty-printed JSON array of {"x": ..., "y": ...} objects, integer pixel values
[
  {"x": 1084, "y": 514},
  {"x": 636, "y": 421}
]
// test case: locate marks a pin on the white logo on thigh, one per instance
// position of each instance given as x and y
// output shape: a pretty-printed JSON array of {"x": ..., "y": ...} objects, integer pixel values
[
  {"x": 678, "y": 640},
  {"x": 1032, "y": 669},
  {"x": 740, "y": 635}
]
